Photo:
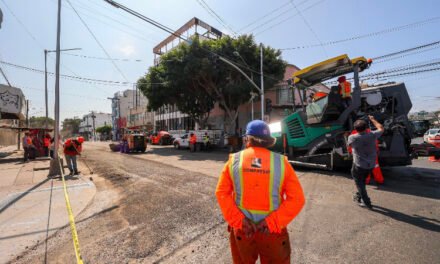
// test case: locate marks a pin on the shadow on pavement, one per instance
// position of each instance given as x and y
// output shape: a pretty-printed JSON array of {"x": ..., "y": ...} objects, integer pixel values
[
  {"x": 19, "y": 197},
  {"x": 61, "y": 227},
  {"x": 415, "y": 220},
  {"x": 416, "y": 181},
  {"x": 5, "y": 154},
  {"x": 11, "y": 160},
  {"x": 184, "y": 154}
]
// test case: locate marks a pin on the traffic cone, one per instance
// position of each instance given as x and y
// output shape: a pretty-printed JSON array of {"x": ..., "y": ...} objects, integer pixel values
[{"x": 433, "y": 159}]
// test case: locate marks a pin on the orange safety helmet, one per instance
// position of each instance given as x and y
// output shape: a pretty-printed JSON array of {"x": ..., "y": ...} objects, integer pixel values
[{"x": 80, "y": 139}]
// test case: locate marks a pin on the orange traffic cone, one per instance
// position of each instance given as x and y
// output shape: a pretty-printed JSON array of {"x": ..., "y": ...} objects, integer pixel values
[
  {"x": 377, "y": 174},
  {"x": 433, "y": 159}
]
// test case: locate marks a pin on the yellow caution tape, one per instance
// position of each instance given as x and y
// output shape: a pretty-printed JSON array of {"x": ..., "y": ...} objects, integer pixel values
[{"x": 71, "y": 220}]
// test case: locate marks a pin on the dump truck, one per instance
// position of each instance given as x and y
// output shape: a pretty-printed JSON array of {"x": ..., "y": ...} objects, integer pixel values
[{"x": 316, "y": 136}]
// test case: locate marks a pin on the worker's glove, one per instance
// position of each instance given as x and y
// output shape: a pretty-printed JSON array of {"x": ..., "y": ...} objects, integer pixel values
[
  {"x": 263, "y": 228},
  {"x": 248, "y": 227}
]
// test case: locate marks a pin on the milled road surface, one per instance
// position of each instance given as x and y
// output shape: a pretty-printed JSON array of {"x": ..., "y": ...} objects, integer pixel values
[{"x": 159, "y": 207}]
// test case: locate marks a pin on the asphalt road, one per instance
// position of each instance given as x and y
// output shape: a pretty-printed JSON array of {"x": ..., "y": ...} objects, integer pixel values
[{"x": 159, "y": 207}]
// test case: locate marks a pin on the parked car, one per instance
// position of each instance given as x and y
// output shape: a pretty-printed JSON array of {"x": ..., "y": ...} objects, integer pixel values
[
  {"x": 161, "y": 138},
  {"x": 420, "y": 127},
  {"x": 426, "y": 149},
  {"x": 432, "y": 136},
  {"x": 181, "y": 142}
]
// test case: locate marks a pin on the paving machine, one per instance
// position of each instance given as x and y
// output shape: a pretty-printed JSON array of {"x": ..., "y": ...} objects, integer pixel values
[{"x": 316, "y": 136}]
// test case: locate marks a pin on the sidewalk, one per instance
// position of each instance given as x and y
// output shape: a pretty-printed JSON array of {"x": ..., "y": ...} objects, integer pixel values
[{"x": 32, "y": 207}]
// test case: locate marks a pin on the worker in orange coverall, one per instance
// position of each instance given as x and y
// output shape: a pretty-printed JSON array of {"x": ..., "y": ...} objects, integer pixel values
[{"x": 259, "y": 195}]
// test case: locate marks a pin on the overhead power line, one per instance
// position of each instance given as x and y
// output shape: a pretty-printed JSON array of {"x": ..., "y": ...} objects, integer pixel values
[
  {"x": 76, "y": 78},
  {"x": 288, "y": 18},
  {"x": 172, "y": 32},
  {"x": 264, "y": 23},
  {"x": 372, "y": 34},
  {"x": 211, "y": 11},
  {"x": 406, "y": 55},
  {"x": 4, "y": 76},
  {"x": 101, "y": 58},
  {"x": 35, "y": 39},
  {"x": 264, "y": 16},
  {"x": 410, "y": 69},
  {"x": 393, "y": 54},
  {"x": 98, "y": 42},
  {"x": 310, "y": 27},
  {"x": 93, "y": 14}
]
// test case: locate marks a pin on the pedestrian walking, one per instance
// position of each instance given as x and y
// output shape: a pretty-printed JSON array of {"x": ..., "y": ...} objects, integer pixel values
[
  {"x": 27, "y": 145},
  {"x": 363, "y": 145},
  {"x": 73, "y": 148},
  {"x": 259, "y": 195},
  {"x": 46, "y": 144}
]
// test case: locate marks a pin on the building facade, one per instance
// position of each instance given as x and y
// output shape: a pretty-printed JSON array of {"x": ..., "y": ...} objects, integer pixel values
[
  {"x": 129, "y": 111},
  {"x": 91, "y": 121}
]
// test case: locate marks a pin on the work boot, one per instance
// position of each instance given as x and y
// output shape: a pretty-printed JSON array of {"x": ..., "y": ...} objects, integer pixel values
[
  {"x": 76, "y": 172},
  {"x": 70, "y": 172},
  {"x": 365, "y": 205}
]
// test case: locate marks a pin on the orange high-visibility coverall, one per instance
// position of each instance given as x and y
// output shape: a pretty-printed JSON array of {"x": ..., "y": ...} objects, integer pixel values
[{"x": 256, "y": 186}]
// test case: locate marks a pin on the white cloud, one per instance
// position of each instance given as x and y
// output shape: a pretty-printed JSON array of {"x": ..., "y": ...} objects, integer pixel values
[{"x": 127, "y": 50}]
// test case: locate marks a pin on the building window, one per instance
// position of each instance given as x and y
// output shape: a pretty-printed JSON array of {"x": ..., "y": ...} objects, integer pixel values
[{"x": 284, "y": 96}]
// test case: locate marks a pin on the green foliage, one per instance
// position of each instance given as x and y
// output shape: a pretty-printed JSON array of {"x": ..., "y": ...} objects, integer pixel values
[
  {"x": 40, "y": 122},
  {"x": 71, "y": 126},
  {"x": 194, "y": 79},
  {"x": 104, "y": 129}
]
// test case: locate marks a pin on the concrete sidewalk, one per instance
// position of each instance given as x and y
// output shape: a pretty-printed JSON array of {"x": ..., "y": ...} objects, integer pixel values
[{"x": 32, "y": 206}]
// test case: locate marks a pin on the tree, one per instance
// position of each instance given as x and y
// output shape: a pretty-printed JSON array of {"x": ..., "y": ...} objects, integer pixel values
[
  {"x": 192, "y": 77},
  {"x": 40, "y": 122},
  {"x": 106, "y": 129},
  {"x": 71, "y": 126}
]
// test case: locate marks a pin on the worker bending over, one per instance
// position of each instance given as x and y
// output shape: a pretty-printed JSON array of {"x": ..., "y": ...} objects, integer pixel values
[{"x": 72, "y": 148}]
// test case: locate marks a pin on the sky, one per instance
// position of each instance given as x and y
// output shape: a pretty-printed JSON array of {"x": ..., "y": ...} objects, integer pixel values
[{"x": 29, "y": 27}]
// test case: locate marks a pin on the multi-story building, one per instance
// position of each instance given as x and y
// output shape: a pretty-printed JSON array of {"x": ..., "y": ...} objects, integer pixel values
[
  {"x": 169, "y": 117},
  {"x": 91, "y": 121},
  {"x": 281, "y": 98},
  {"x": 129, "y": 110}
]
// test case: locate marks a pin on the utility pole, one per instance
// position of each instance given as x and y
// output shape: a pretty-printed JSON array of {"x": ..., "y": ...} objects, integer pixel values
[
  {"x": 27, "y": 113},
  {"x": 45, "y": 89},
  {"x": 45, "y": 80},
  {"x": 87, "y": 125},
  {"x": 55, "y": 163},
  {"x": 262, "y": 82},
  {"x": 94, "y": 130}
]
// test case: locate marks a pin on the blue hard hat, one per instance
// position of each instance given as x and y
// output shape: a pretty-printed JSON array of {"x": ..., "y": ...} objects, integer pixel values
[{"x": 257, "y": 128}]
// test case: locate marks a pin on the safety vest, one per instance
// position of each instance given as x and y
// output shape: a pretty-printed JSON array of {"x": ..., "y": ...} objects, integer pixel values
[
  {"x": 205, "y": 139},
  {"x": 193, "y": 139},
  {"x": 345, "y": 89},
  {"x": 29, "y": 141},
  {"x": 46, "y": 142},
  {"x": 245, "y": 169}
]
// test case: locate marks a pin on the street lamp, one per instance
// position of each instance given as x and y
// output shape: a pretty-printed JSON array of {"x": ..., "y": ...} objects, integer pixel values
[
  {"x": 253, "y": 95},
  {"x": 45, "y": 79}
]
